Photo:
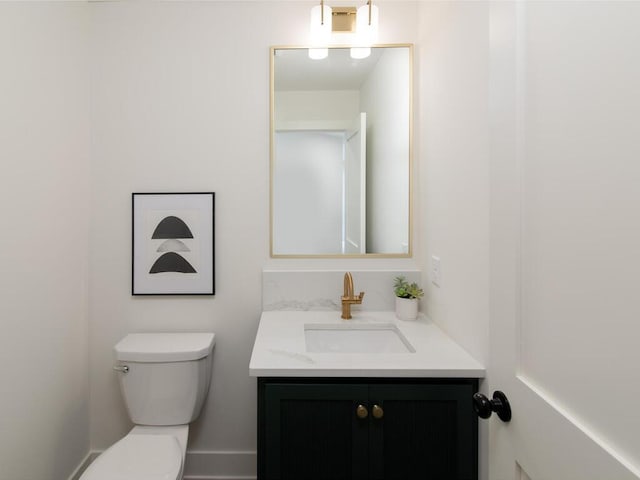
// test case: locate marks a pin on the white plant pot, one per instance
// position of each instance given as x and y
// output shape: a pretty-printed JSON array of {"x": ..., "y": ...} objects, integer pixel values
[{"x": 406, "y": 308}]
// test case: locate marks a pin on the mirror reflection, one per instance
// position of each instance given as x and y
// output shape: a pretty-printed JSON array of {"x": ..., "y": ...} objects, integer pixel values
[{"x": 341, "y": 152}]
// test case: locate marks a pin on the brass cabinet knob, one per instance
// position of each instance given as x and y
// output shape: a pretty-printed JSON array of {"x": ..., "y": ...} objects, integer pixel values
[
  {"x": 377, "y": 412},
  {"x": 362, "y": 412}
]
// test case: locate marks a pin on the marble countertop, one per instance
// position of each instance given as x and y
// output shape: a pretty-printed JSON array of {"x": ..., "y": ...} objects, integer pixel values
[{"x": 280, "y": 349}]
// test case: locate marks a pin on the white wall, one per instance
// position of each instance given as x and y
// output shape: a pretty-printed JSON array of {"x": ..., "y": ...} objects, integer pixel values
[
  {"x": 453, "y": 60},
  {"x": 316, "y": 110},
  {"x": 180, "y": 103},
  {"x": 307, "y": 198},
  {"x": 385, "y": 98},
  {"x": 312, "y": 224},
  {"x": 178, "y": 107},
  {"x": 44, "y": 145}
]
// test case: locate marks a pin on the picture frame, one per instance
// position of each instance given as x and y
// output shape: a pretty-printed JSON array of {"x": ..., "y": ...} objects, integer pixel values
[{"x": 172, "y": 243}]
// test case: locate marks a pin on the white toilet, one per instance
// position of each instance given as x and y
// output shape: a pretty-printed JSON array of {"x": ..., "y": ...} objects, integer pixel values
[{"x": 164, "y": 378}]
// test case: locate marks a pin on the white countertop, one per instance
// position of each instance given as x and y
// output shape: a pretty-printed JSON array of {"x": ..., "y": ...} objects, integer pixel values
[{"x": 280, "y": 349}]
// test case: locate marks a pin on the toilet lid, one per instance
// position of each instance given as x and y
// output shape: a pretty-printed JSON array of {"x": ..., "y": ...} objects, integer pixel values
[{"x": 138, "y": 457}]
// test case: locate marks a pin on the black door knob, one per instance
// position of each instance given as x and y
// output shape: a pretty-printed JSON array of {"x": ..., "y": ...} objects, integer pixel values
[{"x": 499, "y": 404}]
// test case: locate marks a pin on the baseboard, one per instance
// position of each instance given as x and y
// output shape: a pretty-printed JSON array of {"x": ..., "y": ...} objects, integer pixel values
[
  {"x": 225, "y": 465},
  {"x": 203, "y": 465},
  {"x": 83, "y": 465}
]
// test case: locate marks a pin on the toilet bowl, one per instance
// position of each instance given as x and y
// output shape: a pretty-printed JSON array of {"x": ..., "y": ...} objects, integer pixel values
[{"x": 164, "y": 378}]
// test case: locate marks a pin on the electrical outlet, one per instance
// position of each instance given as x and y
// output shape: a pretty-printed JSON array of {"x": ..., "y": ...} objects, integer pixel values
[{"x": 436, "y": 272}]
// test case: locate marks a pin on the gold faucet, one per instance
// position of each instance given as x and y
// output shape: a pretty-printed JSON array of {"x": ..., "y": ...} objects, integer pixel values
[{"x": 347, "y": 298}]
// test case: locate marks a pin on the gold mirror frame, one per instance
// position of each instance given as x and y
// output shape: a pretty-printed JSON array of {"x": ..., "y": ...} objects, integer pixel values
[{"x": 409, "y": 253}]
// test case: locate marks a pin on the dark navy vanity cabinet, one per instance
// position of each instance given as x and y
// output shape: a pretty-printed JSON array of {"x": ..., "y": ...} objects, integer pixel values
[{"x": 367, "y": 429}]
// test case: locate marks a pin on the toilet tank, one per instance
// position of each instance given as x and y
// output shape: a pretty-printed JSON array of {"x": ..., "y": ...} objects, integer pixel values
[{"x": 164, "y": 377}]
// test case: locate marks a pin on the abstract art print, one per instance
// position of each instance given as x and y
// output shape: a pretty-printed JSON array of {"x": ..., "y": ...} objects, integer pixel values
[{"x": 173, "y": 243}]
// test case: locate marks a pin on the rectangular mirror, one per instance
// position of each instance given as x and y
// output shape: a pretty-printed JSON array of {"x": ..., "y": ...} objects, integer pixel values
[{"x": 341, "y": 152}]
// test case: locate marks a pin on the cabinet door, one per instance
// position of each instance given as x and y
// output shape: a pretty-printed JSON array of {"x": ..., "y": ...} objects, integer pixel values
[
  {"x": 426, "y": 432},
  {"x": 311, "y": 432}
]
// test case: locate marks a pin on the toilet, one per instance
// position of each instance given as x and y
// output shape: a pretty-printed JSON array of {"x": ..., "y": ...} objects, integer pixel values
[{"x": 164, "y": 379}]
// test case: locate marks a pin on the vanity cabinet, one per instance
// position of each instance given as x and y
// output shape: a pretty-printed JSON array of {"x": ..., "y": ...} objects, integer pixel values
[{"x": 369, "y": 429}]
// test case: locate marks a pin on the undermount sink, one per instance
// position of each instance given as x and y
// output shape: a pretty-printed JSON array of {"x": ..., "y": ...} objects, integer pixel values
[{"x": 355, "y": 338}]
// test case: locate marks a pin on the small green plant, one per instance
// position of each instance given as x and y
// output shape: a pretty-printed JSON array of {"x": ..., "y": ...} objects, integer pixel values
[{"x": 404, "y": 289}]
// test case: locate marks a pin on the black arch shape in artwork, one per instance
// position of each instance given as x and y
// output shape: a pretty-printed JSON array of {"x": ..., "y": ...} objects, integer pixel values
[
  {"x": 172, "y": 227},
  {"x": 172, "y": 262}
]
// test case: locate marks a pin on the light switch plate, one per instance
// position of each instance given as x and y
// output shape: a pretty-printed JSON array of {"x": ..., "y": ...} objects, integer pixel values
[{"x": 436, "y": 273}]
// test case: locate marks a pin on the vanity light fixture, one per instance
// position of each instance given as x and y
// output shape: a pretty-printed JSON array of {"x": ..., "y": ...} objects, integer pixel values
[
  {"x": 320, "y": 29},
  {"x": 325, "y": 21}
]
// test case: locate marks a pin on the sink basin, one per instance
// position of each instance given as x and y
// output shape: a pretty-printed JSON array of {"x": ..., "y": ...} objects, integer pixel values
[{"x": 355, "y": 338}]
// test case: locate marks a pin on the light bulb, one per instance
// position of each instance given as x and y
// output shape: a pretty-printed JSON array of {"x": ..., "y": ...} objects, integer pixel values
[
  {"x": 318, "y": 53},
  {"x": 320, "y": 31},
  {"x": 360, "y": 52},
  {"x": 366, "y": 28}
]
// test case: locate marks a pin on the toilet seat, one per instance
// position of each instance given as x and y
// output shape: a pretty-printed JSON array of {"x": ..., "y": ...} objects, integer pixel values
[{"x": 138, "y": 457}]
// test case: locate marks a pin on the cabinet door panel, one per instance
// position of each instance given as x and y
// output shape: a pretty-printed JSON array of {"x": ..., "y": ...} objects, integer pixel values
[
  {"x": 427, "y": 432},
  {"x": 313, "y": 432}
]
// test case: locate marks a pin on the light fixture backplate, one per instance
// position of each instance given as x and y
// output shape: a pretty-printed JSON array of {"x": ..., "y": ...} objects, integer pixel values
[{"x": 344, "y": 19}]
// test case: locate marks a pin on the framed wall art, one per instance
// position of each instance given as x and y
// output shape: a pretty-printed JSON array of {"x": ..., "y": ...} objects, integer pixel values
[{"x": 173, "y": 243}]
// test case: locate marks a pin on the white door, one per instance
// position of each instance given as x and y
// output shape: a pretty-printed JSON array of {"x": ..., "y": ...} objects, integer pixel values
[
  {"x": 355, "y": 186},
  {"x": 565, "y": 240}
]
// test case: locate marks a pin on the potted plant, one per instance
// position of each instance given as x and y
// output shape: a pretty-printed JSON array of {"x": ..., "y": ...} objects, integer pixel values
[{"x": 407, "y": 295}]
